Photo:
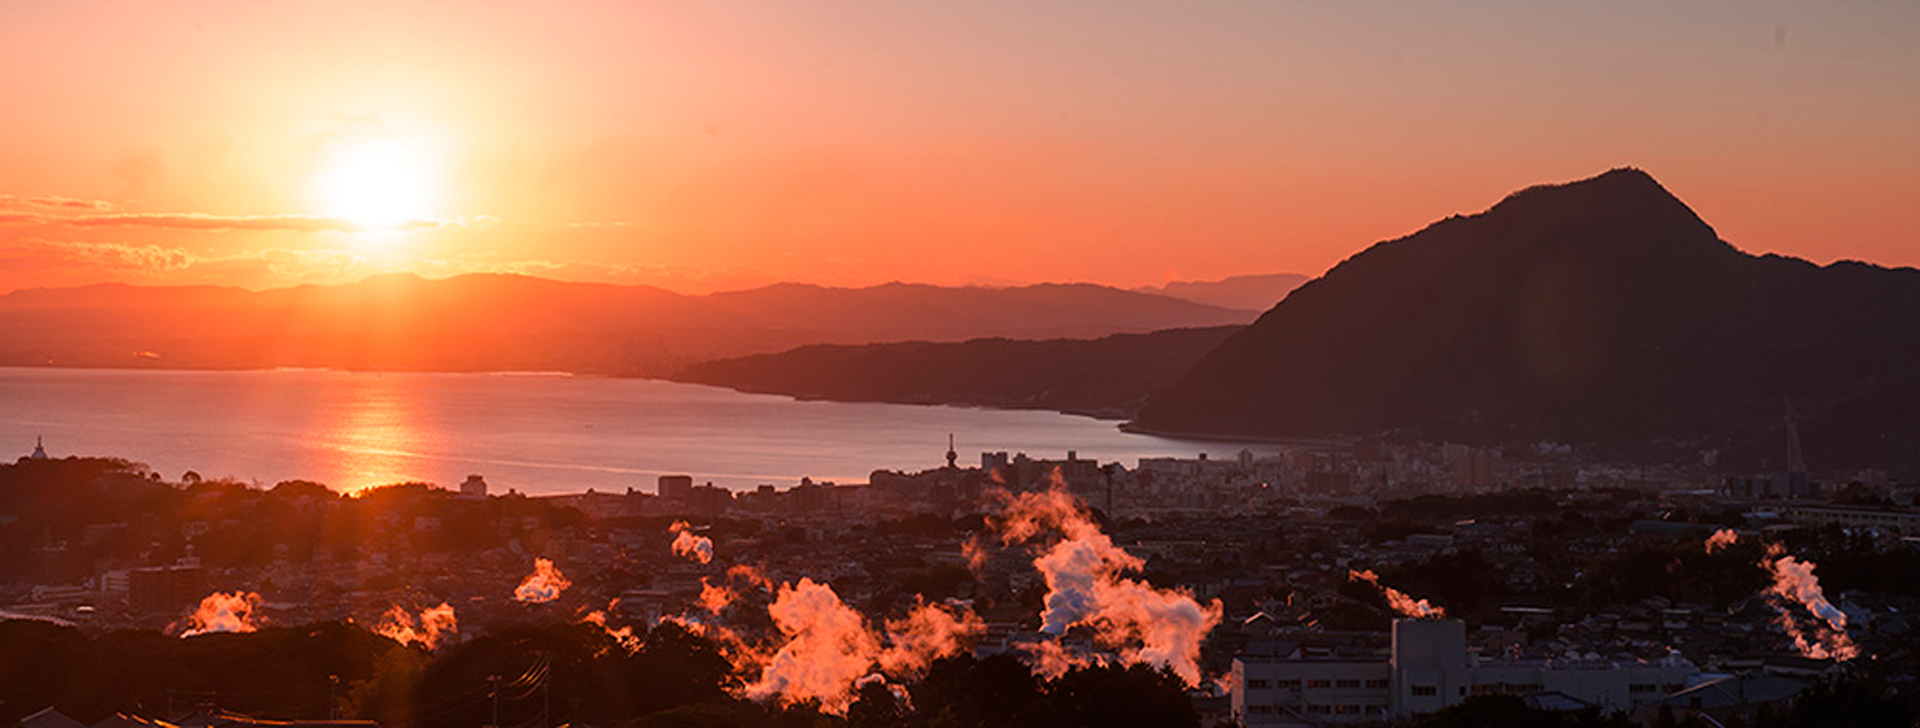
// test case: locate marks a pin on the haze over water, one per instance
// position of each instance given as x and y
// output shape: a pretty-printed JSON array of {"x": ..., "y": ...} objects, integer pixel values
[{"x": 538, "y": 433}]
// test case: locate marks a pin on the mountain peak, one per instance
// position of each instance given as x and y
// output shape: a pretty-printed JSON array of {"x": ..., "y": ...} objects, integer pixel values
[{"x": 1613, "y": 190}]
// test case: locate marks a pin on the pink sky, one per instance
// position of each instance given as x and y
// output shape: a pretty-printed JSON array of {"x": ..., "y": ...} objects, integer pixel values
[{"x": 715, "y": 145}]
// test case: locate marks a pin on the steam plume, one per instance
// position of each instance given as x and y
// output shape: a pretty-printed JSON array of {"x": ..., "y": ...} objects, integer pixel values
[
  {"x": 1721, "y": 539},
  {"x": 223, "y": 612},
  {"x": 433, "y": 624},
  {"x": 1407, "y": 606},
  {"x": 543, "y": 585},
  {"x": 623, "y": 636},
  {"x": 828, "y": 648},
  {"x": 1050, "y": 659},
  {"x": 1085, "y": 588},
  {"x": 1795, "y": 584},
  {"x": 928, "y": 632},
  {"x": 715, "y": 598},
  {"x": 750, "y": 575},
  {"x": 695, "y": 548}
]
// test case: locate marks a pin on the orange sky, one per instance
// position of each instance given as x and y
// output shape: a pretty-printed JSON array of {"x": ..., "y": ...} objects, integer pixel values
[{"x": 724, "y": 144}]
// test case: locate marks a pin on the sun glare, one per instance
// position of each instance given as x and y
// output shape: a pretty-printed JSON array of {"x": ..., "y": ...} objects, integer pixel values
[{"x": 376, "y": 183}]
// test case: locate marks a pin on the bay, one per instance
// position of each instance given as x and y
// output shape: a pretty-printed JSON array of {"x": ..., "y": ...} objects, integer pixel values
[{"x": 531, "y": 432}]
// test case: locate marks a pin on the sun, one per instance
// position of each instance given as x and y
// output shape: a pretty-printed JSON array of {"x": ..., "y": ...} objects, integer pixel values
[{"x": 376, "y": 183}]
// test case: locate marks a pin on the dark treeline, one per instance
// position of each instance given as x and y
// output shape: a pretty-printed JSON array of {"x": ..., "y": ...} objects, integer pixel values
[
  {"x": 66, "y": 516},
  {"x": 674, "y": 678}
]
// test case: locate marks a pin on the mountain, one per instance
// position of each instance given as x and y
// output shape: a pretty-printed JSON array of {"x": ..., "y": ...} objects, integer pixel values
[
  {"x": 1105, "y": 377},
  {"x": 480, "y": 322},
  {"x": 1602, "y": 311},
  {"x": 1253, "y": 293}
]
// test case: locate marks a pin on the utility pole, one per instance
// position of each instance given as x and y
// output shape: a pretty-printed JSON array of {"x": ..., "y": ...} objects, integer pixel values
[
  {"x": 546, "y": 691},
  {"x": 495, "y": 681},
  {"x": 333, "y": 706}
]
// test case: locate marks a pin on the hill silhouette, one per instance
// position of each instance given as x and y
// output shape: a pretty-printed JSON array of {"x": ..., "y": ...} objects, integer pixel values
[
  {"x": 1107, "y": 377},
  {"x": 1601, "y": 311},
  {"x": 1255, "y": 292},
  {"x": 480, "y": 322}
]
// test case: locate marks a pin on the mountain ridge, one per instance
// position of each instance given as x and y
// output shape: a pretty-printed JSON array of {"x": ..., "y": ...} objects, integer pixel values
[
  {"x": 508, "y": 321},
  {"x": 1601, "y": 310}
]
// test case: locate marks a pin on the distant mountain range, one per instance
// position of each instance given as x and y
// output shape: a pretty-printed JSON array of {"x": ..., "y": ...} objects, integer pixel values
[
  {"x": 1254, "y": 292},
  {"x": 481, "y": 322},
  {"x": 1600, "y": 311},
  {"x": 1107, "y": 377}
]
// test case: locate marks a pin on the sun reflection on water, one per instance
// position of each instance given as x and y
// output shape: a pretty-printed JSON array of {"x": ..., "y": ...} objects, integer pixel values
[{"x": 376, "y": 435}]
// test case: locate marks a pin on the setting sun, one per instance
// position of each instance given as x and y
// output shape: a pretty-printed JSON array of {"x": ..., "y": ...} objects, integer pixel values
[{"x": 376, "y": 183}]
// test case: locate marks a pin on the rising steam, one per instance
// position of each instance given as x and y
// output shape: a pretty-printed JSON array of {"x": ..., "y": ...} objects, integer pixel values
[
  {"x": 694, "y": 548},
  {"x": 928, "y": 632},
  {"x": 1085, "y": 588},
  {"x": 223, "y": 612},
  {"x": 828, "y": 650},
  {"x": 543, "y": 585},
  {"x": 828, "y": 647},
  {"x": 1822, "y": 638},
  {"x": 1721, "y": 540},
  {"x": 623, "y": 636},
  {"x": 1407, "y": 606},
  {"x": 433, "y": 624}
]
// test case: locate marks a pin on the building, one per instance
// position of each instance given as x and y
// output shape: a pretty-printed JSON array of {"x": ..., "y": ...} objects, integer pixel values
[
  {"x": 165, "y": 589},
  {"x": 1429, "y": 668},
  {"x": 474, "y": 487},
  {"x": 1902, "y": 522},
  {"x": 675, "y": 486}
]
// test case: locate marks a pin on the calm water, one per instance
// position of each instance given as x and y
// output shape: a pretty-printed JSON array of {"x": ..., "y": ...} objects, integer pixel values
[{"x": 534, "y": 432}]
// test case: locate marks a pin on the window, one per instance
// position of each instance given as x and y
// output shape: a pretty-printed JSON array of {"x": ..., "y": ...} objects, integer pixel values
[
  {"x": 1346, "y": 710},
  {"x": 1260, "y": 709},
  {"x": 1319, "y": 708},
  {"x": 1347, "y": 683},
  {"x": 1319, "y": 683},
  {"x": 1425, "y": 691},
  {"x": 1377, "y": 684},
  {"x": 1258, "y": 684},
  {"x": 1642, "y": 688},
  {"x": 1293, "y": 683}
]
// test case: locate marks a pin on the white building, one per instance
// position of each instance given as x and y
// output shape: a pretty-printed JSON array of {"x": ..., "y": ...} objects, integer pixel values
[{"x": 1429, "y": 668}]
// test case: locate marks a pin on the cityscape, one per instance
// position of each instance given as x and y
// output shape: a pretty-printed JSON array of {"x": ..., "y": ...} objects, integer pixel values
[
  {"x": 1354, "y": 583},
  {"x": 996, "y": 364}
]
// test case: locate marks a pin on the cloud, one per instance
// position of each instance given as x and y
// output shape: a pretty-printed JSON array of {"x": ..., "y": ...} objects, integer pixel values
[
  {"x": 207, "y": 222},
  {"x": 46, "y": 258},
  {"x": 53, "y": 202},
  {"x": 114, "y": 258},
  {"x": 40, "y": 262}
]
